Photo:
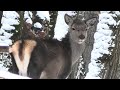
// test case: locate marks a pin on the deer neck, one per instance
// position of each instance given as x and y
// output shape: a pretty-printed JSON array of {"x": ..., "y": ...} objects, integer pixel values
[{"x": 77, "y": 50}]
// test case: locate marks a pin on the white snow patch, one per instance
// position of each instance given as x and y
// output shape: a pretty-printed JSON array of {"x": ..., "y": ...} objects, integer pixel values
[
  {"x": 7, "y": 27},
  {"x": 61, "y": 28},
  {"x": 10, "y": 14},
  {"x": 37, "y": 25},
  {"x": 28, "y": 15},
  {"x": 44, "y": 15},
  {"x": 117, "y": 13},
  {"x": 102, "y": 43},
  {"x": 6, "y": 42},
  {"x": 8, "y": 75},
  {"x": 9, "y": 21}
]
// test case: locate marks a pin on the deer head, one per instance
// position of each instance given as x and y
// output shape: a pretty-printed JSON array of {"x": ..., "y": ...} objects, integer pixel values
[{"x": 77, "y": 28}]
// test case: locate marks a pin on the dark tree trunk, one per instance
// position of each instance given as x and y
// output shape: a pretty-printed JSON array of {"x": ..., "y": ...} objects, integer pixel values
[
  {"x": 1, "y": 14},
  {"x": 89, "y": 46},
  {"x": 112, "y": 66},
  {"x": 53, "y": 18},
  {"x": 111, "y": 62}
]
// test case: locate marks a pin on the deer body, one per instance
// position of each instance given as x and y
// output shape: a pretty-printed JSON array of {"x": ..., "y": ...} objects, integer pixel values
[
  {"x": 77, "y": 50},
  {"x": 47, "y": 60}
]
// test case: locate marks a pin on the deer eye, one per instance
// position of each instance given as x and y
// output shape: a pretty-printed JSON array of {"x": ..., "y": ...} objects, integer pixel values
[{"x": 73, "y": 28}]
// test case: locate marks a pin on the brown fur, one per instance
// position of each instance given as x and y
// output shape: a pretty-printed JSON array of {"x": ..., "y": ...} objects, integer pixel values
[
  {"x": 22, "y": 57},
  {"x": 60, "y": 61},
  {"x": 48, "y": 57}
]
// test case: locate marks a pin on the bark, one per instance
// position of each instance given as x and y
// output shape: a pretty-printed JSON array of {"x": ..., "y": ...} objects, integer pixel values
[
  {"x": 53, "y": 18},
  {"x": 3, "y": 48},
  {"x": 1, "y": 14},
  {"x": 89, "y": 46},
  {"x": 21, "y": 22},
  {"x": 112, "y": 66}
]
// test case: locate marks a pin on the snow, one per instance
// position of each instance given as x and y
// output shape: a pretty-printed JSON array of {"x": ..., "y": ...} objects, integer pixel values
[
  {"x": 80, "y": 67},
  {"x": 8, "y": 75},
  {"x": 43, "y": 15},
  {"x": 61, "y": 27},
  {"x": 10, "y": 17},
  {"x": 28, "y": 15},
  {"x": 117, "y": 13},
  {"x": 102, "y": 43},
  {"x": 10, "y": 14},
  {"x": 106, "y": 18},
  {"x": 37, "y": 25},
  {"x": 7, "y": 27},
  {"x": 8, "y": 20},
  {"x": 6, "y": 42},
  {"x": 2, "y": 67}
]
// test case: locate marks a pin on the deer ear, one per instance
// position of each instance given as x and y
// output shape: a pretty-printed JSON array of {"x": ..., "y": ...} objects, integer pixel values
[
  {"x": 90, "y": 22},
  {"x": 67, "y": 18}
]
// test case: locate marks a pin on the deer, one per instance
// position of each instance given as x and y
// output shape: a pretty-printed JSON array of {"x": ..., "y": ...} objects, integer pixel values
[
  {"x": 74, "y": 41},
  {"x": 39, "y": 58},
  {"x": 77, "y": 35},
  {"x": 50, "y": 58},
  {"x": 78, "y": 27}
]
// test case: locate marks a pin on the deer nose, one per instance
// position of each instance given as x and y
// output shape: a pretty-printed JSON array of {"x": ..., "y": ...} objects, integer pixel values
[{"x": 81, "y": 36}]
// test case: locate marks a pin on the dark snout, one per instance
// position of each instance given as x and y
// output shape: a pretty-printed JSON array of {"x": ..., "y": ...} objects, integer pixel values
[{"x": 81, "y": 36}]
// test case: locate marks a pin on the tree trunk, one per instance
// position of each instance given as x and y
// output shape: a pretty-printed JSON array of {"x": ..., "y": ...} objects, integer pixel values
[
  {"x": 53, "y": 18},
  {"x": 112, "y": 66},
  {"x": 1, "y": 14},
  {"x": 78, "y": 72}
]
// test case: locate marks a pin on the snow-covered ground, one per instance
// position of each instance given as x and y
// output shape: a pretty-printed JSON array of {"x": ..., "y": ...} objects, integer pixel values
[
  {"x": 102, "y": 36},
  {"x": 8, "y": 75}
]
